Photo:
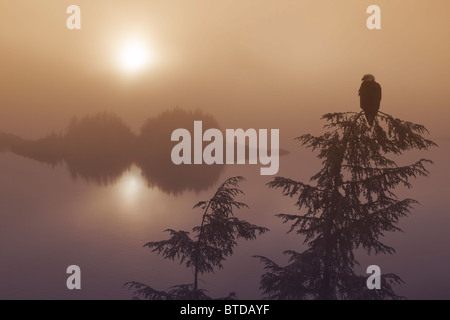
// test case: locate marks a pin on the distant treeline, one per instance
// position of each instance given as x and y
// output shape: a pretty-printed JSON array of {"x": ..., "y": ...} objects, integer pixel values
[{"x": 101, "y": 147}]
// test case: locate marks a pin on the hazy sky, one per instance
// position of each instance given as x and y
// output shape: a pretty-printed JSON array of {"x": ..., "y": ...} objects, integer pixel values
[
  {"x": 272, "y": 64},
  {"x": 252, "y": 64}
]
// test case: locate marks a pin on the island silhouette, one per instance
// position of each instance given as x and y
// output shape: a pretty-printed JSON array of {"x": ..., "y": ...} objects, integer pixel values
[{"x": 99, "y": 148}]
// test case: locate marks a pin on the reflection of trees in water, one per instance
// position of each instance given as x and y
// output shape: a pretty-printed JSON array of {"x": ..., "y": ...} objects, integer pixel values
[
  {"x": 350, "y": 206},
  {"x": 100, "y": 148},
  {"x": 154, "y": 154}
]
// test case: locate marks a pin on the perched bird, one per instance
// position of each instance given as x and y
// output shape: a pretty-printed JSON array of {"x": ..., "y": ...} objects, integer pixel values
[{"x": 370, "y": 97}]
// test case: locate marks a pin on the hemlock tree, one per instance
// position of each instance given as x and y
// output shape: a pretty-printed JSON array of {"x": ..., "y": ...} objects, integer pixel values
[
  {"x": 214, "y": 240},
  {"x": 350, "y": 205}
]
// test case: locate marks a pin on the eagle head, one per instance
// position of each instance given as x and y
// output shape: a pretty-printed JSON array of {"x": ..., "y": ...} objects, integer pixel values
[{"x": 368, "y": 77}]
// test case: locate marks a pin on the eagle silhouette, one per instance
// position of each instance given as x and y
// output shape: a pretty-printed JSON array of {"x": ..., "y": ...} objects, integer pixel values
[{"x": 370, "y": 97}]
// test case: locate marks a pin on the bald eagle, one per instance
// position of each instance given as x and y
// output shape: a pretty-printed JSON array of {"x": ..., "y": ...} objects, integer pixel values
[{"x": 370, "y": 97}]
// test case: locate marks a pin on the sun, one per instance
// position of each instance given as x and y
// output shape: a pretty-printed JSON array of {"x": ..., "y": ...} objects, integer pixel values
[{"x": 135, "y": 55}]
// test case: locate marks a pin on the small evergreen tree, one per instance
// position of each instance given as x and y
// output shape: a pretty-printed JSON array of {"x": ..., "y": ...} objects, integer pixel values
[
  {"x": 350, "y": 205},
  {"x": 214, "y": 240}
]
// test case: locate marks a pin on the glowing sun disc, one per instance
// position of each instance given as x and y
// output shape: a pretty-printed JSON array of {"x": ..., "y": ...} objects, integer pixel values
[{"x": 134, "y": 56}]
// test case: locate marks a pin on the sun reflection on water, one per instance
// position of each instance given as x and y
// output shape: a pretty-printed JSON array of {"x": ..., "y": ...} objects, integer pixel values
[{"x": 131, "y": 187}]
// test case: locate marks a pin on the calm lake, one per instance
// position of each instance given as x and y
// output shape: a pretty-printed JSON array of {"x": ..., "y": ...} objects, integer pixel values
[{"x": 51, "y": 220}]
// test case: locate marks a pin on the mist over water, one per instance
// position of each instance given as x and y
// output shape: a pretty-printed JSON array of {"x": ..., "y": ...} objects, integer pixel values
[{"x": 100, "y": 221}]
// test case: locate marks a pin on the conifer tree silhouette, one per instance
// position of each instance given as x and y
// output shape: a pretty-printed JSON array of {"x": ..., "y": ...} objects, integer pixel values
[
  {"x": 350, "y": 205},
  {"x": 214, "y": 241}
]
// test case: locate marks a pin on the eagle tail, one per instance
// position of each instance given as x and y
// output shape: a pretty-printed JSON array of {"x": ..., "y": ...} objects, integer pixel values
[{"x": 370, "y": 116}]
